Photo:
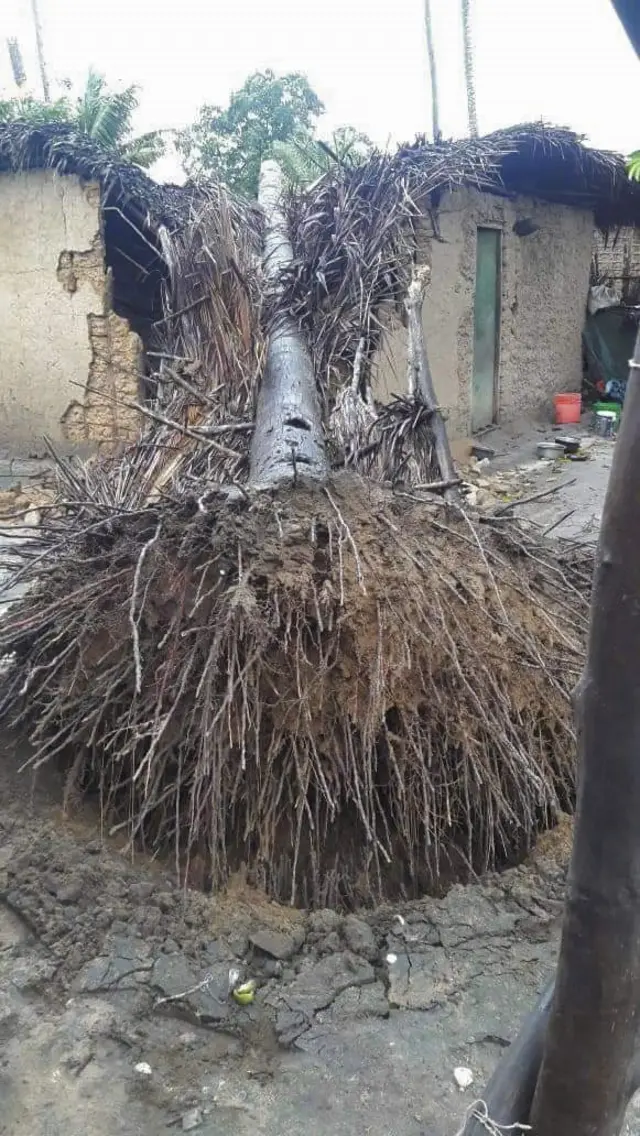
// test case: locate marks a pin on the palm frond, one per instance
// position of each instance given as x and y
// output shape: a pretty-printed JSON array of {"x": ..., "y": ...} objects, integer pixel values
[
  {"x": 106, "y": 115},
  {"x": 145, "y": 149}
]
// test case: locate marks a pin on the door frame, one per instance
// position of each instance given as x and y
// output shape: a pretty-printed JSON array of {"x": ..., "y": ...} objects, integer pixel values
[{"x": 497, "y": 228}]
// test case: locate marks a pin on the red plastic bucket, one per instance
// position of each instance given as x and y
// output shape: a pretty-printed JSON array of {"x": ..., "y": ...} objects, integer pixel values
[{"x": 568, "y": 408}]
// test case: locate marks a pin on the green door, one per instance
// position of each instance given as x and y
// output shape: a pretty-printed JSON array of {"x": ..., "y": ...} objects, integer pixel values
[{"x": 486, "y": 329}]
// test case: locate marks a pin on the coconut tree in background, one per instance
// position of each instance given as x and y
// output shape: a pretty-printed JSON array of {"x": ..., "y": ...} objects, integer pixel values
[
  {"x": 305, "y": 158},
  {"x": 433, "y": 75},
  {"x": 37, "y": 27},
  {"x": 469, "y": 77},
  {"x": 106, "y": 115}
]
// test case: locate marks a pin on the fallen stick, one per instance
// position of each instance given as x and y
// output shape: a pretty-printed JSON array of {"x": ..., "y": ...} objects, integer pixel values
[
  {"x": 436, "y": 486},
  {"x": 564, "y": 517},
  {"x": 534, "y": 497},
  {"x": 422, "y": 379}
]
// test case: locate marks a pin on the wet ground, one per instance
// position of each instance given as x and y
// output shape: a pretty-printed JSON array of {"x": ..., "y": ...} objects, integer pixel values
[
  {"x": 115, "y": 1015},
  {"x": 573, "y": 509}
]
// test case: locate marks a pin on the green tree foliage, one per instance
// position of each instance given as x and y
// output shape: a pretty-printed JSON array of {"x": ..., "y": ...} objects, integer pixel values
[
  {"x": 305, "y": 158},
  {"x": 633, "y": 165},
  {"x": 232, "y": 142},
  {"x": 102, "y": 113},
  {"x": 29, "y": 109}
]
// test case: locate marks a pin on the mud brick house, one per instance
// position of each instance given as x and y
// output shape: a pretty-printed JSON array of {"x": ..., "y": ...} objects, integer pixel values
[
  {"x": 81, "y": 275},
  {"x": 510, "y": 270}
]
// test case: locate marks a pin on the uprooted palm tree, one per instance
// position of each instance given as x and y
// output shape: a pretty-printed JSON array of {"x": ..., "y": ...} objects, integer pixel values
[
  {"x": 264, "y": 633},
  {"x": 104, "y": 114}
]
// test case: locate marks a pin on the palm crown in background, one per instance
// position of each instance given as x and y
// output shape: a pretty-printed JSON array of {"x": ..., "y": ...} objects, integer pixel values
[{"x": 104, "y": 114}]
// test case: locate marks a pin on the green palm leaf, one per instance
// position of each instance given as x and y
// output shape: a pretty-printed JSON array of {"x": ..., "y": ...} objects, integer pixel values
[{"x": 106, "y": 115}]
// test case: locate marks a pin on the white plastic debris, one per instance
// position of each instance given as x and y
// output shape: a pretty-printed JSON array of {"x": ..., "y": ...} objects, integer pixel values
[
  {"x": 463, "y": 1077},
  {"x": 391, "y": 958},
  {"x": 143, "y": 1068},
  {"x": 192, "y": 1119}
]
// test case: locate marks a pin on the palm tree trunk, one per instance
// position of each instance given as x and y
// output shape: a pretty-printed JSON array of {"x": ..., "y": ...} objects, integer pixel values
[
  {"x": 433, "y": 76},
  {"x": 35, "y": 11},
  {"x": 469, "y": 78},
  {"x": 288, "y": 439}
]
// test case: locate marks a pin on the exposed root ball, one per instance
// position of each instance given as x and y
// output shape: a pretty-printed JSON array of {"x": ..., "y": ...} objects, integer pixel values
[{"x": 346, "y": 692}]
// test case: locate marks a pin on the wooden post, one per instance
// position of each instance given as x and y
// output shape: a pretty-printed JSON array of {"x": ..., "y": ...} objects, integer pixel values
[
  {"x": 422, "y": 379},
  {"x": 590, "y": 1066},
  {"x": 288, "y": 439},
  {"x": 509, "y": 1094},
  {"x": 585, "y": 1079}
]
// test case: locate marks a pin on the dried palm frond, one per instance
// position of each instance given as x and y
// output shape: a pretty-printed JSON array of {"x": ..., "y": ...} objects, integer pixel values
[{"x": 406, "y": 445}]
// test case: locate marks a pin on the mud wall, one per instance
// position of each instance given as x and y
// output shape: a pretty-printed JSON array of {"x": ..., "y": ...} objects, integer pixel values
[
  {"x": 66, "y": 359},
  {"x": 544, "y": 287}
]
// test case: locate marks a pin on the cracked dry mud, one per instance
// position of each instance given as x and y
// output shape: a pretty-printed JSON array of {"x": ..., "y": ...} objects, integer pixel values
[{"x": 114, "y": 1008}]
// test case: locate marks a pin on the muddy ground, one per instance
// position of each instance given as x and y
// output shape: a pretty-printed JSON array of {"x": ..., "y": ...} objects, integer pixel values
[{"x": 114, "y": 1008}]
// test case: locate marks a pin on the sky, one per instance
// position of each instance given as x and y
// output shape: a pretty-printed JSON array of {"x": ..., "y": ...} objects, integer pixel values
[{"x": 565, "y": 61}]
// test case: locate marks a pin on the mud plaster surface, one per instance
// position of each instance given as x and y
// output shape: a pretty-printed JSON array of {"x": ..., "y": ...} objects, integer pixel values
[
  {"x": 357, "y": 1025},
  {"x": 68, "y": 362}
]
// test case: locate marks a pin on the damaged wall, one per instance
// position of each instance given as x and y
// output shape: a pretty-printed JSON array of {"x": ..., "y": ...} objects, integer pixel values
[
  {"x": 66, "y": 359},
  {"x": 544, "y": 287}
]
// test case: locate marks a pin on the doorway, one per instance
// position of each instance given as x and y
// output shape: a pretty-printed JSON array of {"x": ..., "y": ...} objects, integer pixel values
[{"x": 486, "y": 329}]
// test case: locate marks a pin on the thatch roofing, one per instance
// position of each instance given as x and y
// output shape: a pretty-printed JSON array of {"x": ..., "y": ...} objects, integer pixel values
[
  {"x": 551, "y": 163},
  {"x": 534, "y": 159},
  {"x": 60, "y": 147}
]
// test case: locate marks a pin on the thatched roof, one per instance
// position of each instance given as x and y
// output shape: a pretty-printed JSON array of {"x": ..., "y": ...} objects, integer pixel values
[
  {"x": 551, "y": 163},
  {"x": 59, "y": 147},
  {"x": 548, "y": 162}
]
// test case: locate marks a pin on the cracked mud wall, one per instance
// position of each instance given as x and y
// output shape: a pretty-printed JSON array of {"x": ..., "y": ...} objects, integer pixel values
[
  {"x": 544, "y": 287},
  {"x": 66, "y": 359}
]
